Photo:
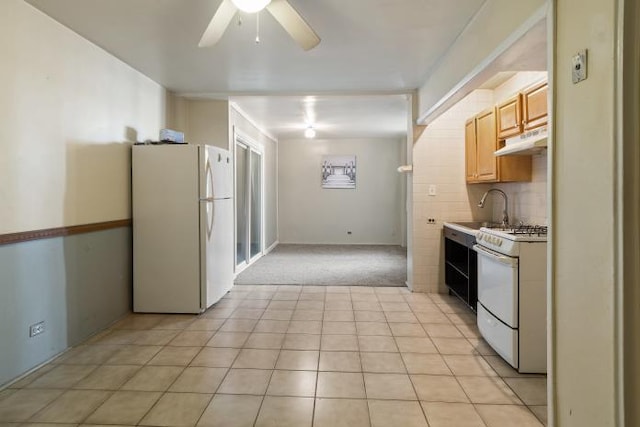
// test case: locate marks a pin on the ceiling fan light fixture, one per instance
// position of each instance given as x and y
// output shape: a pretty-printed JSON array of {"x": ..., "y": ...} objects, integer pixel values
[
  {"x": 310, "y": 132},
  {"x": 251, "y": 6}
]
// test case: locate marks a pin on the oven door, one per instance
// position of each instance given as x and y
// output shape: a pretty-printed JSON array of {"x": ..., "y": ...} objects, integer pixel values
[{"x": 498, "y": 284}]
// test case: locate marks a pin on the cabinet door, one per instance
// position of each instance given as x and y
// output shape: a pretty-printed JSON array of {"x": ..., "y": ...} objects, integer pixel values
[
  {"x": 486, "y": 139},
  {"x": 535, "y": 106},
  {"x": 471, "y": 152},
  {"x": 510, "y": 117}
]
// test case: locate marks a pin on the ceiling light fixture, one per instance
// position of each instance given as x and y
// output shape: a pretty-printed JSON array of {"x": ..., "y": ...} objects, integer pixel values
[
  {"x": 251, "y": 6},
  {"x": 310, "y": 132}
]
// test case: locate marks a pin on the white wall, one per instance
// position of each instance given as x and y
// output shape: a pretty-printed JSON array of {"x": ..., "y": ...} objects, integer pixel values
[
  {"x": 412, "y": 113},
  {"x": 583, "y": 219},
  {"x": 68, "y": 114},
  {"x": 310, "y": 214},
  {"x": 207, "y": 123},
  {"x": 493, "y": 24},
  {"x": 439, "y": 159}
]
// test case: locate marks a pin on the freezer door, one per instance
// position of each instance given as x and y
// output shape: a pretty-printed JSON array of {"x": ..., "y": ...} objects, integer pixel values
[
  {"x": 217, "y": 253},
  {"x": 216, "y": 173}
]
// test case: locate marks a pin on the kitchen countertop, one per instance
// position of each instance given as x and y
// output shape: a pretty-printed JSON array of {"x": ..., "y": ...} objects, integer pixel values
[{"x": 471, "y": 228}]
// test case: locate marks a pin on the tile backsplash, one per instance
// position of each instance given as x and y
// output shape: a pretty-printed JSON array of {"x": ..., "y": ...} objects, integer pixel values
[
  {"x": 527, "y": 200},
  {"x": 439, "y": 159}
]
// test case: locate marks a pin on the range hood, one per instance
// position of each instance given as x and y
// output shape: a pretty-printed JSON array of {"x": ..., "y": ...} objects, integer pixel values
[{"x": 532, "y": 142}]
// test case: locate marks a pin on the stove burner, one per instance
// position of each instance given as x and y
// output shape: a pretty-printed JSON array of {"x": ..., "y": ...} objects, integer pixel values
[{"x": 531, "y": 230}]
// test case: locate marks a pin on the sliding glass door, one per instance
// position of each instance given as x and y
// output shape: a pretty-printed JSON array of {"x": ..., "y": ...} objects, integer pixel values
[
  {"x": 242, "y": 168},
  {"x": 255, "y": 232},
  {"x": 249, "y": 217}
]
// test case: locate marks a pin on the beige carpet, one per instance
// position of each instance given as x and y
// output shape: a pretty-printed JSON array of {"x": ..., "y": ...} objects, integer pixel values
[{"x": 348, "y": 265}]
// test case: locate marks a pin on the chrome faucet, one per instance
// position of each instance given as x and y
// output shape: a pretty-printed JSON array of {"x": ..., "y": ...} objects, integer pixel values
[{"x": 505, "y": 216}]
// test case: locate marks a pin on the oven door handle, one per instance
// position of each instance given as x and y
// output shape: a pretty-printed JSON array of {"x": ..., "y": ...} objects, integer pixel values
[{"x": 495, "y": 256}]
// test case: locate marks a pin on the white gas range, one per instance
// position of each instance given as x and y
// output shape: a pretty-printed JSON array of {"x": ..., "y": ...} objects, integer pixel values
[{"x": 512, "y": 294}]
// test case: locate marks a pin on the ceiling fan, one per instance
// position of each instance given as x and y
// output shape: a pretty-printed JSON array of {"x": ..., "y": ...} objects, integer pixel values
[{"x": 282, "y": 11}]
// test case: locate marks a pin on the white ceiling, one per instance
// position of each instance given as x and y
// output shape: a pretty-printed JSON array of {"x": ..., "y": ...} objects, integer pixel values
[
  {"x": 358, "y": 116},
  {"x": 372, "y": 52}
]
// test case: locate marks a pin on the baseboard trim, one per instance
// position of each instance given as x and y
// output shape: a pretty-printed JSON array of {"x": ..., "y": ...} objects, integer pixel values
[
  {"x": 49, "y": 233},
  {"x": 245, "y": 266},
  {"x": 59, "y": 354},
  {"x": 32, "y": 370},
  {"x": 272, "y": 247}
]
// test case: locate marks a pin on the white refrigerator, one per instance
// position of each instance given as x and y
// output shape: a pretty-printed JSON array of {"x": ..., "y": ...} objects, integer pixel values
[{"x": 182, "y": 227}]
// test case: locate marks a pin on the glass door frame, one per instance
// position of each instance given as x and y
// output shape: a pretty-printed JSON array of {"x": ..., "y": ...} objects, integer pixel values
[{"x": 249, "y": 144}]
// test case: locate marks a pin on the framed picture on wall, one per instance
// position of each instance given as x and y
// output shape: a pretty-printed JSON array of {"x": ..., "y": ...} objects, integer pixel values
[{"x": 339, "y": 172}]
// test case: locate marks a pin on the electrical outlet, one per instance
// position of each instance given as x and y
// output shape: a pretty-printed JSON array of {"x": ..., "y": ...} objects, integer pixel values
[
  {"x": 579, "y": 67},
  {"x": 36, "y": 329},
  {"x": 431, "y": 221}
]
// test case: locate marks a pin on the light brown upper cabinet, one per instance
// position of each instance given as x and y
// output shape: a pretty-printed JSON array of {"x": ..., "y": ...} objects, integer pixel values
[
  {"x": 481, "y": 141},
  {"x": 534, "y": 101},
  {"x": 486, "y": 145},
  {"x": 510, "y": 117},
  {"x": 470, "y": 141}
]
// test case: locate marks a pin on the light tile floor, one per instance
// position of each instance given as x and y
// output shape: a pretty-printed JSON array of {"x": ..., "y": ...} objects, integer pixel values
[{"x": 286, "y": 356}]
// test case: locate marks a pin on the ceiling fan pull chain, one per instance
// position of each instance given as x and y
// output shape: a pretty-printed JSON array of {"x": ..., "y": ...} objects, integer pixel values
[
  {"x": 258, "y": 28},
  {"x": 281, "y": 10}
]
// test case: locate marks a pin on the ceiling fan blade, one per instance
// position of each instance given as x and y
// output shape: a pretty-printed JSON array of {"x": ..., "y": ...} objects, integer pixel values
[
  {"x": 218, "y": 24},
  {"x": 294, "y": 24}
]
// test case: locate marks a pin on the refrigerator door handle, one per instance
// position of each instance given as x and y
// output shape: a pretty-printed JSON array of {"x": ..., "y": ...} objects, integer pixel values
[
  {"x": 210, "y": 222},
  {"x": 209, "y": 173},
  {"x": 207, "y": 199}
]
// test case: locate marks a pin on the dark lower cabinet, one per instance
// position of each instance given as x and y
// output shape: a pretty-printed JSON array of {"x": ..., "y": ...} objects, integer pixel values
[{"x": 461, "y": 266}]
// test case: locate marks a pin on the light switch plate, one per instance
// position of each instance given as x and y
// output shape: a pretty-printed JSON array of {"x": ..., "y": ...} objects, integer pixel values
[
  {"x": 432, "y": 190},
  {"x": 579, "y": 67}
]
